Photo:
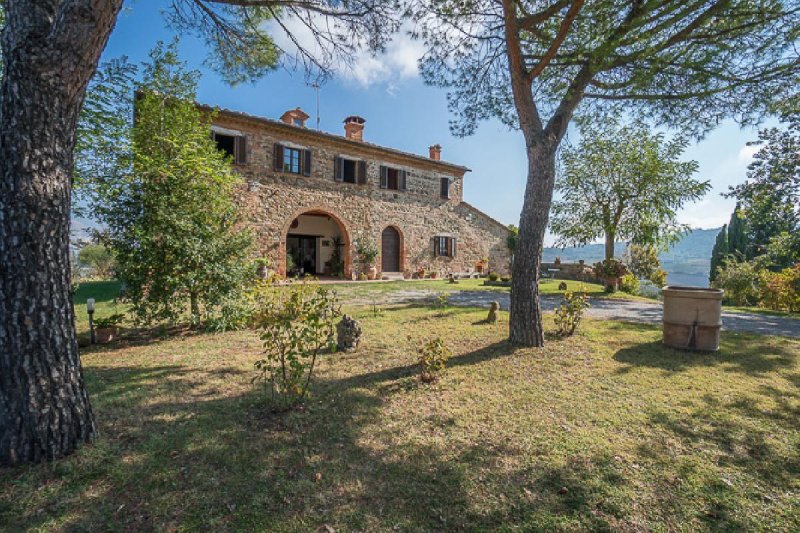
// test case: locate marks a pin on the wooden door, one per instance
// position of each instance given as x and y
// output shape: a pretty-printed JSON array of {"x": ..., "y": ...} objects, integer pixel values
[{"x": 390, "y": 250}]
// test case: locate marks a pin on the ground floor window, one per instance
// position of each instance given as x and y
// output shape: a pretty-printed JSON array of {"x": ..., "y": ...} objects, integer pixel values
[{"x": 444, "y": 246}]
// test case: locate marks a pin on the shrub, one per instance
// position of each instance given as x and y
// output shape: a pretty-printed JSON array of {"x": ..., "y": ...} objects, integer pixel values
[
  {"x": 296, "y": 323},
  {"x": 433, "y": 358},
  {"x": 741, "y": 281},
  {"x": 659, "y": 277},
  {"x": 362, "y": 277},
  {"x": 642, "y": 261},
  {"x": 562, "y": 286},
  {"x": 630, "y": 284},
  {"x": 100, "y": 260},
  {"x": 570, "y": 312},
  {"x": 493, "y": 276},
  {"x": 367, "y": 251},
  {"x": 112, "y": 321},
  {"x": 781, "y": 290},
  {"x": 505, "y": 279},
  {"x": 610, "y": 268}
]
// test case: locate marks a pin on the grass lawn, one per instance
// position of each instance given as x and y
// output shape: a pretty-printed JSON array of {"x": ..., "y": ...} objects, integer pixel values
[{"x": 605, "y": 430}]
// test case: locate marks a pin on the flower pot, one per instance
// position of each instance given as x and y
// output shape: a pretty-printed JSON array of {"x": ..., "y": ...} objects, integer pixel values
[
  {"x": 372, "y": 272},
  {"x": 692, "y": 317},
  {"x": 105, "y": 335}
]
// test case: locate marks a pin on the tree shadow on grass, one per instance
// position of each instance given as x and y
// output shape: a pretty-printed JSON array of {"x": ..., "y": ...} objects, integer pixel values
[{"x": 749, "y": 354}]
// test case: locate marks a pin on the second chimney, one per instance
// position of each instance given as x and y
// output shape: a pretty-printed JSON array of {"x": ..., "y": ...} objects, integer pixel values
[
  {"x": 435, "y": 151},
  {"x": 354, "y": 128}
]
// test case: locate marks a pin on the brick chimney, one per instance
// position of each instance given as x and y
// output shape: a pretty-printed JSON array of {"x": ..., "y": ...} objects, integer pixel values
[
  {"x": 354, "y": 128},
  {"x": 435, "y": 151},
  {"x": 295, "y": 117}
]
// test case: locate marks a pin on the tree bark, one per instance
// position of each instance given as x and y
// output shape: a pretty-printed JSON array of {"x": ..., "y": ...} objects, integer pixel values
[
  {"x": 51, "y": 49},
  {"x": 525, "y": 324},
  {"x": 610, "y": 237}
]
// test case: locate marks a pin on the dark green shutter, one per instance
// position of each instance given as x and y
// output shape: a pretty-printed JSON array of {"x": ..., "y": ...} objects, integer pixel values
[
  {"x": 338, "y": 169},
  {"x": 362, "y": 172},
  {"x": 384, "y": 177},
  {"x": 277, "y": 158},
  {"x": 306, "y": 162},
  {"x": 401, "y": 176}
]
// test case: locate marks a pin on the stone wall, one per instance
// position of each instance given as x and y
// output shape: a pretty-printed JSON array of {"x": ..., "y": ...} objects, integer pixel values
[{"x": 272, "y": 200}]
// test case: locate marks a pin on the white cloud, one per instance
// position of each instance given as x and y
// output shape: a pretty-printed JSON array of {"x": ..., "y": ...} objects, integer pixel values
[
  {"x": 747, "y": 152},
  {"x": 397, "y": 63}
]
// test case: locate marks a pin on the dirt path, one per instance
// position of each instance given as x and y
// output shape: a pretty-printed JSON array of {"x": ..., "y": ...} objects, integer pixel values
[{"x": 608, "y": 308}]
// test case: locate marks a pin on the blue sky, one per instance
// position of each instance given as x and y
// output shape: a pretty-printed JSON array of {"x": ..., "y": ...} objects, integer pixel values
[{"x": 403, "y": 113}]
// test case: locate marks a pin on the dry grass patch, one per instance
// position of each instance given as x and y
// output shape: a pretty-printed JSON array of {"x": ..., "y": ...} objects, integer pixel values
[{"x": 605, "y": 430}]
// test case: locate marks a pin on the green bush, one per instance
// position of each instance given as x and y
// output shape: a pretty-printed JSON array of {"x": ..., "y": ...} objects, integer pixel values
[
  {"x": 493, "y": 276},
  {"x": 295, "y": 323},
  {"x": 659, "y": 277},
  {"x": 570, "y": 312},
  {"x": 630, "y": 284},
  {"x": 741, "y": 281},
  {"x": 433, "y": 358},
  {"x": 781, "y": 290}
]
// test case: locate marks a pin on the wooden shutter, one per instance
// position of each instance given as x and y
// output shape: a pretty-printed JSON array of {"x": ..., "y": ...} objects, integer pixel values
[
  {"x": 240, "y": 149},
  {"x": 445, "y": 188},
  {"x": 338, "y": 169},
  {"x": 401, "y": 177},
  {"x": 306, "y": 162},
  {"x": 277, "y": 158},
  {"x": 452, "y": 246},
  {"x": 436, "y": 247},
  {"x": 384, "y": 177},
  {"x": 362, "y": 173}
]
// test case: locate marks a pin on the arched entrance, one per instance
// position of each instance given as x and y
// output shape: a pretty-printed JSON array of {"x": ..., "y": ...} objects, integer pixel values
[
  {"x": 316, "y": 243},
  {"x": 391, "y": 250}
]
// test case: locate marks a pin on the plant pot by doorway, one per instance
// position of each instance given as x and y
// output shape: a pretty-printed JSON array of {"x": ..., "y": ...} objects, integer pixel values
[
  {"x": 372, "y": 272},
  {"x": 105, "y": 335}
]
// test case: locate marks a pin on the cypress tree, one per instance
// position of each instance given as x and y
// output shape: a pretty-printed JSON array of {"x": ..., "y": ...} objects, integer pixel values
[
  {"x": 719, "y": 252},
  {"x": 737, "y": 235}
]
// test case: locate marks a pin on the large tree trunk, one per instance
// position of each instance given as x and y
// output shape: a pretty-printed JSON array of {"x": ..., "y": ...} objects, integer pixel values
[
  {"x": 51, "y": 49},
  {"x": 610, "y": 237},
  {"x": 525, "y": 323}
]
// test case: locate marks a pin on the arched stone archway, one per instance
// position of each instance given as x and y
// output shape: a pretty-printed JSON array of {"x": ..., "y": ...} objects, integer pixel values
[
  {"x": 309, "y": 238},
  {"x": 392, "y": 250}
]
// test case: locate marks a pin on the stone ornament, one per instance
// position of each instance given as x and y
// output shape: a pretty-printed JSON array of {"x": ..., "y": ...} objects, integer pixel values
[
  {"x": 493, "y": 308},
  {"x": 348, "y": 334}
]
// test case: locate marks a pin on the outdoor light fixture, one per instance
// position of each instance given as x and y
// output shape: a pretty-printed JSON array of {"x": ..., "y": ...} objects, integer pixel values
[{"x": 90, "y": 311}]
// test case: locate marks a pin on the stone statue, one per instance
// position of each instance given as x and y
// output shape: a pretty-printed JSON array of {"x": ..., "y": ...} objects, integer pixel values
[
  {"x": 348, "y": 334},
  {"x": 492, "y": 318}
]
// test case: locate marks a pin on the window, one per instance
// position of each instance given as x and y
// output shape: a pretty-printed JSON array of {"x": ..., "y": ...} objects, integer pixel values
[
  {"x": 393, "y": 179},
  {"x": 349, "y": 170},
  {"x": 444, "y": 187},
  {"x": 444, "y": 246},
  {"x": 292, "y": 160},
  {"x": 233, "y": 145}
]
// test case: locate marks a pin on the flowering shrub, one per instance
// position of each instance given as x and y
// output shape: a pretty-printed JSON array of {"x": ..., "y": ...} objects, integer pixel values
[
  {"x": 629, "y": 283},
  {"x": 781, "y": 290},
  {"x": 659, "y": 277},
  {"x": 741, "y": 281},
  {"x": 570, "y": 312},
  {"x": 610, "y": 268}
]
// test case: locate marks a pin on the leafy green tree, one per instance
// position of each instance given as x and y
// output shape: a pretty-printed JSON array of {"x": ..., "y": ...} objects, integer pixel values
[
  {"x": 536, "y": 64},
  {"x": 56, "y": 47},
  {"x": 99, "y": 258},
  {"x": 172, "y": 218},
  {"x": 642, "y": 261},
  {"x": 623, "y": 183},
  {"x": 770, "y": 198},
  {"x": 719, "y": 252}
]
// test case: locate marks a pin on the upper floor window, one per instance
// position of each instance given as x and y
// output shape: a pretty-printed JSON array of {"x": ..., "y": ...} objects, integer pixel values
[
  {"x": 233, "y": 145},
  {"x": 444, "y": 246},
  {"x": 444, "y": 188},
  {"x": 292, "y": 160},
  {"x": 349, "y": 170},
  {"x": 393, "y": 178}
]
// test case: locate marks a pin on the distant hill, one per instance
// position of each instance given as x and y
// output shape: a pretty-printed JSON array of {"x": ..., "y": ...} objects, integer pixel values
[{"x": 686, "y": 263}]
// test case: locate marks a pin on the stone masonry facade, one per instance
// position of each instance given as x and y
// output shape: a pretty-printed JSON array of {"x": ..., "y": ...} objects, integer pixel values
[{"x": 422, "y": 214}]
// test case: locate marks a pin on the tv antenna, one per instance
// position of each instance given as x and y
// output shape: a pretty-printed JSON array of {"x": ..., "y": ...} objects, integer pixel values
[{"x": 316, "y": 88}]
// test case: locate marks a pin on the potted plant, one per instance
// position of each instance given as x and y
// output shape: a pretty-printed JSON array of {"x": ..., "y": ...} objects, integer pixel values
[
  {"x": 262, "y": 265},
  {"x": 107, "y": 328},
  {"x": 610, "y": 271},
  {"x": 368, "y": 253},
  {"x": 420, "y": 273},
  {"x": 557, "y": 261},
  {"x": 480, "y": 264}
]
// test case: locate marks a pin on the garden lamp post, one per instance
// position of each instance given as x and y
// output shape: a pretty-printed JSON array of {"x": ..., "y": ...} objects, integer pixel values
[{"x": 90, "y": 311}]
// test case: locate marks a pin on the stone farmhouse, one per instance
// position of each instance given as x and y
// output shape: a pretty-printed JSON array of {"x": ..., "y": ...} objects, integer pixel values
[{"x": 312, "y": 197}]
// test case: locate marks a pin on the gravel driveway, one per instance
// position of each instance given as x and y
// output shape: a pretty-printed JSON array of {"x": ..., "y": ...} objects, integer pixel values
[{"x": 609, "y": 308}]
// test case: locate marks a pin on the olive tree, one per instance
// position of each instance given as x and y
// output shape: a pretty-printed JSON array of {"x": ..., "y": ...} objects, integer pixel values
[
  {"x": 51, "y": 49},
  {"x": 536, "y": 64},
  {"x": 623, "y": 183}
]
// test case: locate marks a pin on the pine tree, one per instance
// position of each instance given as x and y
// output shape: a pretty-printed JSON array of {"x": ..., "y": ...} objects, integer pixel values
[
  {"x": 719, "y": 252},
  {"x": 738, "y": 244}
]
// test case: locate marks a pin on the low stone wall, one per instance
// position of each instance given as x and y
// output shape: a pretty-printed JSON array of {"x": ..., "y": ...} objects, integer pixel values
[{"x": 569, "y": 271}]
